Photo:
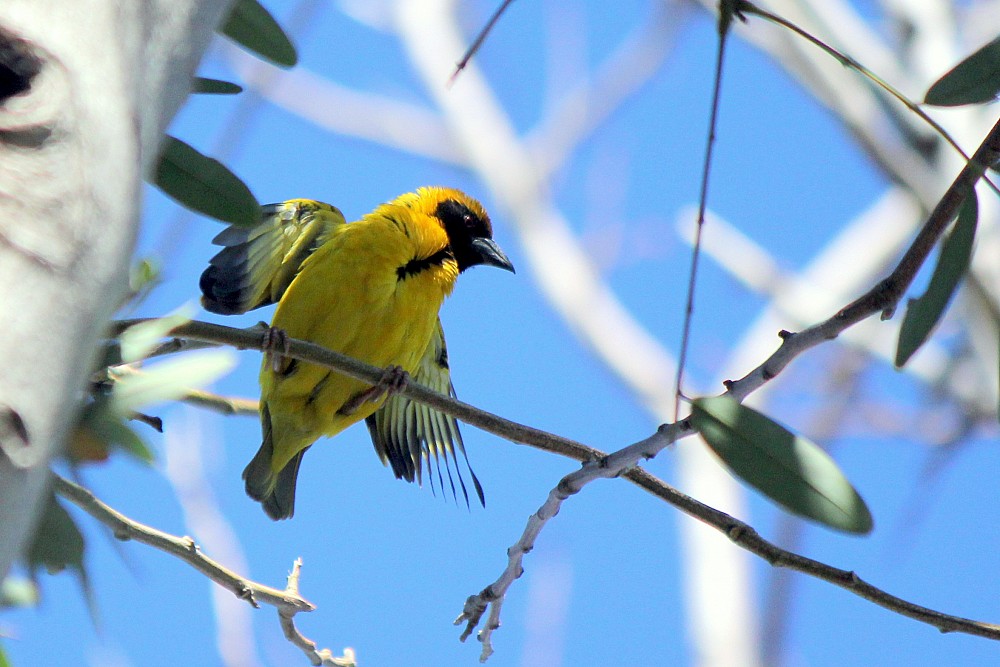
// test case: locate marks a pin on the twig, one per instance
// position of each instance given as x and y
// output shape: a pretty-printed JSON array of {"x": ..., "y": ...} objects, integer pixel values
[
  {"x": 288, "y": 602},
  {"x": 480, "y": 38},
  {"x": 287, "y": 619},
  {"x": 725, "y": 20},
  {"x": 493, "y": 595},
  {"x": 623, "y": 463},
  {"x": 883, "y": 297},
  {"x": 744, "y": 6},
  {"x": 227, "y": 405},
  {"x": 252, "y": 339}
]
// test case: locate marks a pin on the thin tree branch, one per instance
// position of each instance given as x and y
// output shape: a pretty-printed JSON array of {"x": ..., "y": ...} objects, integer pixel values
[
  {"x": 478, "y": 41},
  {"x": 227, "y": 405},
  {"x": 725, "y": 21},
  {"x": 185, "y": 449},
  {"x": 885, "y": 296},
  {"x": 316, "y": 656},
  {"x": 288, "y": 602},
  {"x": 597, "y": 465},
  {"x": 252, "y": 339},
  {"x": 743, "y": 535}
]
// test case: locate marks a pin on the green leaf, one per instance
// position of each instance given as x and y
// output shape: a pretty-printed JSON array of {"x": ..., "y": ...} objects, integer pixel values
[
  {"x": 975, "y": 80},
  {"x": 923, "y": 313},
  {"x": 57, "y": 543},
  {"x": 18, "y": 592},
  {"x": 4, "y": 662},
  {"x": 140, "y": 339},
  {"x": 204, "y": 184},
  {"x": 205, "y": 86},
  {"x": 170, "y": 379},
  {"x": 107, "y": 429},
  {"x": 786, "y": 467},
  {"x": 252, "y": 27}
]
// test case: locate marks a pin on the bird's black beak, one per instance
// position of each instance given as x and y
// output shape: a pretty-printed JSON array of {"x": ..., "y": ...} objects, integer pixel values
[{"x": 490, "y": 253}]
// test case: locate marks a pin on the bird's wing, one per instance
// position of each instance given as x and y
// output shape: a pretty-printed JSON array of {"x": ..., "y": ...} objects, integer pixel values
[
  {"x": 258, "y": 262},
  {"x": 408, "y": 435}
]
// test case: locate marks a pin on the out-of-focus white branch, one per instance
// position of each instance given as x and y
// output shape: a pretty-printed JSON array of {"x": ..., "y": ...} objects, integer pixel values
[
  {"x": 184, "y": 446},
  {"x": 867, "y": 245},
  {"x": 587, "y": 104},
  {"x": 845, "y": 92},
  {"x": 377, "y": 118},
  {"x": 566, "y": 277},
  {"x": 928, "y": 29},
  {"x": 564, "y": 271}
]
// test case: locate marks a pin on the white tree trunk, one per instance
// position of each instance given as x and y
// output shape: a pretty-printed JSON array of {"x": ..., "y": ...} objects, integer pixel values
[{"x": 73, "y": 150}]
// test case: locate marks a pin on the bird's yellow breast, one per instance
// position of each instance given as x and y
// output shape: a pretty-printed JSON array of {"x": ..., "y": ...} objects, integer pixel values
[{"x": 367, "y": 293}]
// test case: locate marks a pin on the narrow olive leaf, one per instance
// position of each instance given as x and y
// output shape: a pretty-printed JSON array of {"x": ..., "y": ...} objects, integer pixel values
[
  {"x": 140, "y": 339},
  {"x": 169, "y": 380},
  {"x": 975, "y": 80},
  {"x": 18, "y": 592},
  {"x": 100, "y": 429},
  {"x": 923, "y": 313},
  {"x": 57, "y": 543},
  {"x": 785, "y": 467},
  {"x": 204, "y": 184},
  {"x": 205, "y": 86},
  {"x": 252, "y": 27},
  {"x": 4, "y": 662}
]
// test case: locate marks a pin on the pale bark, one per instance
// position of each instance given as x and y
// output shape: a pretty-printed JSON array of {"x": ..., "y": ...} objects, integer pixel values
[{"x": 73, "y": 151}]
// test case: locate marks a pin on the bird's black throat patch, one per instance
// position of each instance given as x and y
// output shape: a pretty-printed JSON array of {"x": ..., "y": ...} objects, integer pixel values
[{"x": 420, "y": 264}]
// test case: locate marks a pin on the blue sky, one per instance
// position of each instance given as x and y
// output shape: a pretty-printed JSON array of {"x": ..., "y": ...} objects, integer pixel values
[{"x": 390, "y": 565}]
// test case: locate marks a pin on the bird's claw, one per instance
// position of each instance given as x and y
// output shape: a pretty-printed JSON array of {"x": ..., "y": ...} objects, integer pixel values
[
  {"x": 276, "y": 345},
  {"x": 394, "y": 380}
]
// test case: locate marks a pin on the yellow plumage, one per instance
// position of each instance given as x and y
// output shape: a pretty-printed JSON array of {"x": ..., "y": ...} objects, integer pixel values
[{"x": 371, "y": 290}]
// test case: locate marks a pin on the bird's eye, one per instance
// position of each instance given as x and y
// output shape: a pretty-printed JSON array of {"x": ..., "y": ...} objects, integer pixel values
[{"x": 460, "y": 221}]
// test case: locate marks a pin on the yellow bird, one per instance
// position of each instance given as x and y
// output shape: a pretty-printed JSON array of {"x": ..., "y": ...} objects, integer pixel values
[{"x": 370, "y": 289}]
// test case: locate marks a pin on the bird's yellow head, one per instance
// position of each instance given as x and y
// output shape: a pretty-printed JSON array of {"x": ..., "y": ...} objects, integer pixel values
[{"x": 464, "y": 221}]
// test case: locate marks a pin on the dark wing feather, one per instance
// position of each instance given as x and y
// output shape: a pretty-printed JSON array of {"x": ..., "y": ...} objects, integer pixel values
[
  {"x": 257, "y": 263},
  {"x": 409, "y": 436}
]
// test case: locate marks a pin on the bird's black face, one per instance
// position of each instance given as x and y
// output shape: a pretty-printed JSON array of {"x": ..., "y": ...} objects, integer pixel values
[{"x": 471, "y": 236}]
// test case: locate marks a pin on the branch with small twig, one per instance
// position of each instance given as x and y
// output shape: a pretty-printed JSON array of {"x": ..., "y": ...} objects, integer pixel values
[
  {"x": 882, "y": 298},
  {"x": 597, "y": 465},
  {"x": 226, "y": 405},
  {"x": 323, "y": 657},
  {"x": 288, "y": 602}
]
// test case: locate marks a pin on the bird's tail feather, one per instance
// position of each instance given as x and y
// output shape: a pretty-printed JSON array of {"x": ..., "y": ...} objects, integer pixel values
[{"x": 274, "y": 491}]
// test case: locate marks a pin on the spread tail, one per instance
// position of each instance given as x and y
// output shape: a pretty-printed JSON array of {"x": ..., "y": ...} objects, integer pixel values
[{"x": 274, "y": 491}]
